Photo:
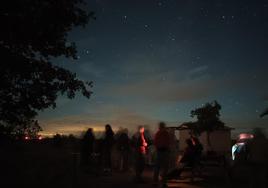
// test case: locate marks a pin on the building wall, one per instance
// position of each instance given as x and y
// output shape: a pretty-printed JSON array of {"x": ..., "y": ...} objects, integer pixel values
[
  {"x": 183, "y": 135},
  {"x": 220, "y": 140}
]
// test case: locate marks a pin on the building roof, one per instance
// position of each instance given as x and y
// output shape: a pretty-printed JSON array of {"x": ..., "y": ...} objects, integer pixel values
[{"x": 190, "y": 125}]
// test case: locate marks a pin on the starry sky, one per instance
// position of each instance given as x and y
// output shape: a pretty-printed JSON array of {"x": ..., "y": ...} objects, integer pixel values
[{"x": 156, "y": 60}]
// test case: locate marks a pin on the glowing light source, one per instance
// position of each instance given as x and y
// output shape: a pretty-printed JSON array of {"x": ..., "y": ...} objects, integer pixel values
[{"x": 245, "y": 136}]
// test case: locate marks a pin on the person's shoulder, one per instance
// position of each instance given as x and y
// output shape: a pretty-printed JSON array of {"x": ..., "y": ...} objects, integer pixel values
[{"x": 157, "y": 133}]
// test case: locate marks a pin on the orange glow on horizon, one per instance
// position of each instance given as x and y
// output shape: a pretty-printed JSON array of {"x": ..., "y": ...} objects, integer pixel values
[{"x": 75, "y": 130}]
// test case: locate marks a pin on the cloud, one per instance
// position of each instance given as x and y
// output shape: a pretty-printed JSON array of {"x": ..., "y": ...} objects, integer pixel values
[
  {"x": 191, "y": 85},
  {"x": 167, "y": 88},
  {"x": 198, "y": 72}
]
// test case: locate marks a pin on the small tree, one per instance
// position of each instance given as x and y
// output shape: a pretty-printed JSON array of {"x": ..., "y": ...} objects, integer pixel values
[{"x": 208, "y": 119}]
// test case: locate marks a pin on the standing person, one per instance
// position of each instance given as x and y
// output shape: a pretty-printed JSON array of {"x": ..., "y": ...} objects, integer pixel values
[
  {"x": 257, "y": 150},
  {"x": 108, "y": 142},
  {"x": 162, "y": 145},
  {"x": 124, "y": 149},
  {"x": 140, "y": 144},
  {"x": 87, "y": 144}
]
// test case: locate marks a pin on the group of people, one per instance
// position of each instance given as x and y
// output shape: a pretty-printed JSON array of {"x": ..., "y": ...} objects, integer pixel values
[
  {"x": 162, "y": 142},
  {"x": 91, "y": 147},
  {"x": 139, "y": 144},
  {"x": 100, "y": 150}
]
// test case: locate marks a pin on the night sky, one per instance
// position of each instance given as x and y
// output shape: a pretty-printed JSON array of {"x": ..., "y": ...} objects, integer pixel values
[{"x": 158, "y": 60}]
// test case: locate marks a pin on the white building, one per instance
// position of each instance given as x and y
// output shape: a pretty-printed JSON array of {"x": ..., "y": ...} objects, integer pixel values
[{"x": 220, "y": 140}]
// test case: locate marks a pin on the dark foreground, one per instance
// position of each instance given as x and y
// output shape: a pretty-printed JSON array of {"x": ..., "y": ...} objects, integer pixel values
[{"x": 41, "y": 165}]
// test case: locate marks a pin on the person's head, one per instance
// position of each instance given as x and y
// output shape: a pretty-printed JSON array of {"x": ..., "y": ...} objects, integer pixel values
[
  {"x": 162, "y": 125},
  {"x": 141, "y": 129},
  {"x": 125, "y": 131},
  {"x": 89, "y": 131},
  {"x": 108, "y": 127}
]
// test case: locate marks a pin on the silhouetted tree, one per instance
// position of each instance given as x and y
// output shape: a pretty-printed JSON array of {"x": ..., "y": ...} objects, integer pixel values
[
  {"x": 264, "y": 113},
  {"x": 30, "y": 128},
  {"x": 208, "y": 119},
  {"x": 32, "y": 32}
]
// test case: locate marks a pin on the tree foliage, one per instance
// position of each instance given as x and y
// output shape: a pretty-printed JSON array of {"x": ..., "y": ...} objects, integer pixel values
[
  {"x": 32, "y": 32},
  {"x": 264, "y": 113},
  {"x": 208, "y": 118}
]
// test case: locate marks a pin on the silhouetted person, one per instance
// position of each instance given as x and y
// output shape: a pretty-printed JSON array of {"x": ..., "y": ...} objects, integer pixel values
[
  {"x": 107, "y": 145},
  {"x": 162, "y": 145},
  {"x": 258, "y": 159},
  {"x": 123, "y": 146},
  {"x": 87, "y": 144},
  {"x": 198, "y": 147},
  {"x": 57, "y": 140},
  {"x": 189, "y": 154},
  {"x": 140, "y": 144},
  {"x": 187, "y": 160}
]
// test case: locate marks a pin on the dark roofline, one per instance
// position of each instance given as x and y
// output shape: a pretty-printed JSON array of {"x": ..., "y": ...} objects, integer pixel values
[{"x": 186, "y": 126}]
